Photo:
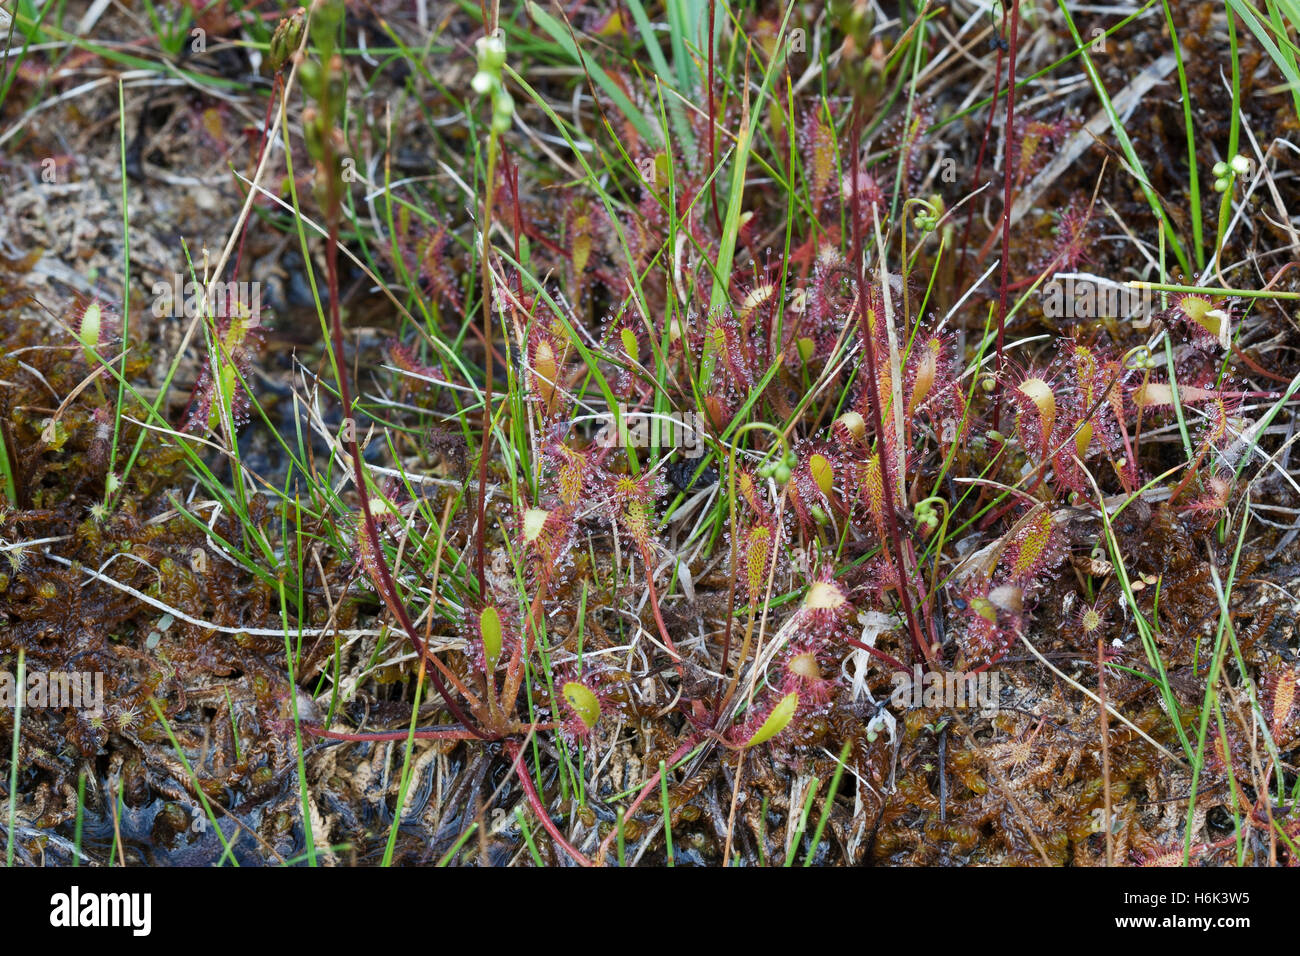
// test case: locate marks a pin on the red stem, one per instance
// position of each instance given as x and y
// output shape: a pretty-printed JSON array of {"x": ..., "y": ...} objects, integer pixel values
[
  {"x": 520, "y": 767},
  {"x": 378, "y": 568},
  {"x": 979, "y": 170},
  {"x": 449, "y": 733},
  {"x": 514, "y": 671},
  {"x": 1008, "y": 135},
  {"x": 261, "y": 148},
  {"x": 873, "y": 394},
  {"x": 650, "y": 784},
  {"x": 893, "y": 662},
  {"x": 713, "y": 159},
  {"x": 647, "y": 560}
]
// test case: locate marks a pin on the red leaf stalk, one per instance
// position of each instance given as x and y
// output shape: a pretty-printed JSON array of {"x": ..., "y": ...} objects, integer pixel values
[{"x": 520, "y": 767}]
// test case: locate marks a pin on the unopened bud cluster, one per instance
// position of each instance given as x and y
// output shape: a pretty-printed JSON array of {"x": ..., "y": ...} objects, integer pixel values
[
  {"x": 487, "y": 81},
  {"x": 286, "y": 39},
  {"x": 1225, "y": 173},
  {"x": 780, "y": 469},
  {"x": 927, "y": 219}
]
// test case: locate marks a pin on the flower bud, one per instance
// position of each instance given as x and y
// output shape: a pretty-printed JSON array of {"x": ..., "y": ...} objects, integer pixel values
[
  {"x": 286, "y": 39},
  {"x": 491, "y": 53}
]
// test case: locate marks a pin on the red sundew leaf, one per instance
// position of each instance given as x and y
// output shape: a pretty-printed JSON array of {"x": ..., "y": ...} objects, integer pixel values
[
  {"x": 1282, "y": 687},
  {"x": 1031, "y": 142},
  {"x": 756, "y": 551},
  {"x": 1034, "y": 551},
  {"x": 1036, "y": 401},
  {"x": 545, "y": 535},
  {"x": 403, "y": 357},
  {"x": 776, "y": 720},
  {"x": 630, "y": 504},
  {"x": 583, "y": 705},
  {"x": 238, "y": 334},
  {"x": 439, "y": 276},
  {"x": 580, "y": 239},
  {"x": 825, "y": 609},
  {"x": 1204, "y": 317},
  {"x": 819, "y": 148},
  {"x": 804, "y": 666},
  {"x": 546, "y": 370},
  {"x": 872, "y": 488},
  {"x": 822, "y": 472},
  {"x": 850, "y": 429}
]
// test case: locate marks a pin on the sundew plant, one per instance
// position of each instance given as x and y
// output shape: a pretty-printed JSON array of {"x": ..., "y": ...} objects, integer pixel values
[{"x": 691, "y": 433}]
